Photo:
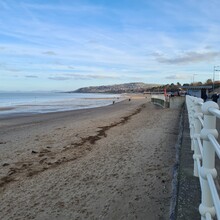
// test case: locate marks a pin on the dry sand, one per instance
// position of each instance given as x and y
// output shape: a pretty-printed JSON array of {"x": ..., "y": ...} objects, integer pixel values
[{"x": 113, "y": 162}]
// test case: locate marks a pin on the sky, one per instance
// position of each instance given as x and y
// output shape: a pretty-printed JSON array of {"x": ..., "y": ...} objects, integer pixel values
[{"x": 68, "y": 44}]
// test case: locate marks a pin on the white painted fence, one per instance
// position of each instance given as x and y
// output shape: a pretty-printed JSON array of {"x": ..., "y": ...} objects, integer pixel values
[{"x": 203, "y": 134}]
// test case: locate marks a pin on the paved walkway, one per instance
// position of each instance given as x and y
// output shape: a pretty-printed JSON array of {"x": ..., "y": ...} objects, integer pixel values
[{"x": 189, "y": 189}]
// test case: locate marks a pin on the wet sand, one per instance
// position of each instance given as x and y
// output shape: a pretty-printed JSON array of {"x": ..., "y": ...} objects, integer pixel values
[
  {"x": 6, "y": 108},
  {"x": 113, "y": 162}
]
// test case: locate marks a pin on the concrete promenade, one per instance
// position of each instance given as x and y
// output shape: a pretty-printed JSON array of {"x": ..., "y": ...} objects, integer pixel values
[
  {"x": 188, "y": 198},
  {"x": 189, "y": 193}
]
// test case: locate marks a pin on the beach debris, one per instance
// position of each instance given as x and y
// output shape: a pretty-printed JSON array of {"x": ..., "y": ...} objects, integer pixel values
[
  {"x": 25, "y": 165},
  {"x": 44, "y": 150},
  {"x": 12, "y": 171},
  {"x": 2, "y": 142},
  {"x": 4, "y": 180},
  {"x": 43, "y": 160},
  {"x": 34, "y": 152},
  {"x": 5, "y": 164}
]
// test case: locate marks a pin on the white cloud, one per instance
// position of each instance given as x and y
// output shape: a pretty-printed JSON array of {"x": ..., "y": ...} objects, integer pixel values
[
  {"x": 85, "y": 76},
  {"x": 59, "y": 78},
  {"x": 188, "y": 57},
  {"x": 51, "y": 53},
  {"x": 177, "y": 76},
  {"x": 74, "y": 7},
  {"x": 31, "y": 76}
]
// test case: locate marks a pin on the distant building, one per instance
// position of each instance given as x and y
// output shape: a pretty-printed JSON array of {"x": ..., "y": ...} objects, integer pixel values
[{"x": 197, "y": 91}]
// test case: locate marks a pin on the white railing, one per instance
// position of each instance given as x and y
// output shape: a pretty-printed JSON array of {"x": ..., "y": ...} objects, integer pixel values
[{"x": 203, "y": 134}]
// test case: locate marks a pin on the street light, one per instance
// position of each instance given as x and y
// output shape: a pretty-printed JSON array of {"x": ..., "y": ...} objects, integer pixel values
[
  {"x": 216, "y": 69},
  {"x": 194, "y": 77}
]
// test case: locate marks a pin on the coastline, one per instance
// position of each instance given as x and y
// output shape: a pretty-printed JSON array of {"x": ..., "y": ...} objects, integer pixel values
[
  {"x": 109, "y": 162},
  {"x": 122, "y": 98},
  {"x": 24, "y": 103}
]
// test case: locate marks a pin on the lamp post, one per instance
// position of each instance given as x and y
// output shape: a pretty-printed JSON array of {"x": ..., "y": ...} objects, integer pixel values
[
  {"x": 194, "y": 77},
  {"x": 216, "y": 69}
]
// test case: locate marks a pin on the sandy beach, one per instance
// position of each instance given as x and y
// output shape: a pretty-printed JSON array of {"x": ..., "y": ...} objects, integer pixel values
[{"x": 112, "y": 162}]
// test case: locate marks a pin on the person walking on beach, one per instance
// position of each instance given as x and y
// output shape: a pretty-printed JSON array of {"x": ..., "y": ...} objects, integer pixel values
[{"x": 215, "y": 97}]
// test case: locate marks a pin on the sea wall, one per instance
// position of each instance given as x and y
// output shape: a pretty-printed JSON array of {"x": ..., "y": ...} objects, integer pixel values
[
  {"x": 159, "y": 99},
  {"x": 176, "y": 102},
  {"x": 168, "y": 102}
]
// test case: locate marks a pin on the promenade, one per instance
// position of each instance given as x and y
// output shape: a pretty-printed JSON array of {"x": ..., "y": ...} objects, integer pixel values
[
  {"x": 189, "y": 189},
  {"x": 189, "y": 195}
]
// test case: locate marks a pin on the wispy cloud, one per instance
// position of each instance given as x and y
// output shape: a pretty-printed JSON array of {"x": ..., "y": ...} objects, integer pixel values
[
  {"x": 4, "y": 5},
  {"x": 59, "y": 78},
  {"x": 74, "y": 7},
  {"x": 51, "y": 53},
  {"x": 9, "y": 68},
  {"x": 76, "y": 76},
  {"x": 189, "y": 57},
  {"x": 13, "y": 69},
  {"x": 177, "y": 76},
  {"x": 93, "y": 76},
  {"x": 71, "y": 67},
  {"x": 31, "y": 76}
]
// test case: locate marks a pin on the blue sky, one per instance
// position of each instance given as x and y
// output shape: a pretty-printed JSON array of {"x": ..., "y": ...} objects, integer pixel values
[{"x": 67, "y": 44}]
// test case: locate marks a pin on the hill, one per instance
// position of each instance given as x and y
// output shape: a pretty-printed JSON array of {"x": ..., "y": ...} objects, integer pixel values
[{"x": 118, "y": 88}]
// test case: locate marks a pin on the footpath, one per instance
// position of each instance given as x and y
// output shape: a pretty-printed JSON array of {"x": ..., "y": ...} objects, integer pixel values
[{"x": 188, "y": 189}]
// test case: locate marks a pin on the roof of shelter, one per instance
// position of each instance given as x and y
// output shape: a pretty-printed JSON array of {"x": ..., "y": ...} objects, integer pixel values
[{"x": 196, "y": 87}]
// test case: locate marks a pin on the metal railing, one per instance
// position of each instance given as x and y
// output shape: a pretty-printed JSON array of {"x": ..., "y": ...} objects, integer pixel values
[{"x": 203, "y": 134}]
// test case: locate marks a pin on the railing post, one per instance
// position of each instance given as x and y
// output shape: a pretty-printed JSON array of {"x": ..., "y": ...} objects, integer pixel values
[
  {"x": 208, "y": 163},
  {"x": 191, "y": 119},
  {"x": 197, "y": 130}
]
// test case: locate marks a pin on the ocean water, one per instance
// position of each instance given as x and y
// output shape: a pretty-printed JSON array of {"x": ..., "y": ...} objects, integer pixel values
[{"x": 14, "y": 103}]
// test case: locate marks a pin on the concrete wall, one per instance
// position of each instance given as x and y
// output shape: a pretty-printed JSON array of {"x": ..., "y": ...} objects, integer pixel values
[
  {"x": 171, "y": 102},
  {"x": 158, "y": 96},
  {"x": 159, "y": 102},
  {"x": 159, "y": 99},
  {"x": 177, "y": 102}
]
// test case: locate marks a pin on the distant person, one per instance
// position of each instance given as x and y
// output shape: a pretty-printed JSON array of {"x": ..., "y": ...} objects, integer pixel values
[
  {"x": 204, "y": 97},
  {"x": 215, "y": 97}
]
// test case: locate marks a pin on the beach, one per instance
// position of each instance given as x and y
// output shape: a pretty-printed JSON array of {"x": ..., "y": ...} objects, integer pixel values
[{"x": 111, "y": 162}]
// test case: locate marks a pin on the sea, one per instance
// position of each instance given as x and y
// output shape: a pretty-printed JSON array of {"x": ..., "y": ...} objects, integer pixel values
[{"x": 23, "y": 103}]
